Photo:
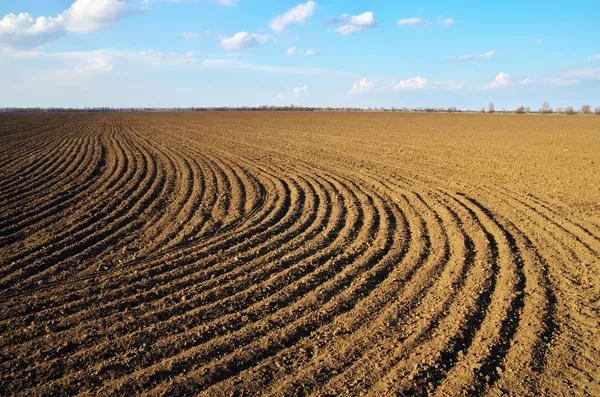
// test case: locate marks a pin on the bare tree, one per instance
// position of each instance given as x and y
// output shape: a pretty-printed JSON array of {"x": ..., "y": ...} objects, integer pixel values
[
  {"x": 491, "y": 108},
  {"x": 586, "y": 109},
  {"x": 559, "y": 110},
  {"x": 545, "y": 107},
  {"x": 527, "y": 109},
  {"x": 482, "y": 110},
  {"x": 569, "y": 110},
  {"x": 597, "y": 111},
  {"x": 520, "y": 110}
]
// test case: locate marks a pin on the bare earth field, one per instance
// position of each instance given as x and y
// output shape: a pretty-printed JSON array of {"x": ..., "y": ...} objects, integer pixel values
[{"x": 299, "y": 254}]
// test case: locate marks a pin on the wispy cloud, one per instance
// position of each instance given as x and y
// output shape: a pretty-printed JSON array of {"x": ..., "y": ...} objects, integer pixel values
[
  {"x": 413, "y": 83},
  {"x": 244, "y": 40},
  {"x": 366, "y": 85},
  {"x": 422, "y": 22},
  {"x": 171, "y": 58},
  {"x": 554, "y": 82},
  {"x": 292, "y": 50},
  {"x": 227, "y": 2},
  {"x": 363, "y": 86},
  {"x": 585, "y": 73},
  {"x": 294, "y": 93},
  {"x": 189, "y": 35},
  {"x": 593, "y": 58},
  {"x": 412, "y": 22},
  {"x": 485, "y": 55},
  {"x": 502, "y": 80},
  {"x": 299, "y": 14},
  {"x": 353, "y": 23}
]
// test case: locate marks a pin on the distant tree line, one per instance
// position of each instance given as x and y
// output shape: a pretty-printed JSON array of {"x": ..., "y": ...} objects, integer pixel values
[{"x": 544, "y": 109}]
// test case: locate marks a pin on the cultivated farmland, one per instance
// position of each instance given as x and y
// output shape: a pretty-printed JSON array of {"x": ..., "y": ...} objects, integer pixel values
[{"x": 299, "y": 254}]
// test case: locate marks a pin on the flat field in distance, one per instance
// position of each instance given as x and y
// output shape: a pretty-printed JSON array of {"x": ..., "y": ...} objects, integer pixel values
[{"x": 299, "y": 254}]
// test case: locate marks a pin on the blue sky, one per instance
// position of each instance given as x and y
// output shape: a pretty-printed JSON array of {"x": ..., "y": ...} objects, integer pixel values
[{"x": 317, "y": 53}]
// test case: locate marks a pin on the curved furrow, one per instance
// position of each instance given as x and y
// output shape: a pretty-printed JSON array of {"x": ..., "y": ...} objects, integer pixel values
[
  {"x": 232, "y": 211},
  {"x": 337, "y": 295},
  {"x": 14, "y": 201},
  {"x": 70, "y": 243},
  {"x": 272, "y": 216},
  {"x": 129, "y": 215},
  {"x": 594, "y": 234},
  {"x": 560, "y": 296},
  {"x": 86, "y": 171},
  {"x": 418, "y": 312},
  {"x": 267, "y": 211},
  {"x": 410, "y": 255},
  {"x": 413, "y": 301},
  {"x": 313, "y": 253},
  {"x": 47, "y": 163},
  {"x": 220, "y": 248},
  {"x": 115, "y": 177},
  {"x": 27, "y": 148},
  {"x": 16, "y": 197},
  {"x": 577, "y": 233},
  {"x": 44, "y": 216},
  {"x": 489, "y": 327},
  {"x": 135, "y": 235}
]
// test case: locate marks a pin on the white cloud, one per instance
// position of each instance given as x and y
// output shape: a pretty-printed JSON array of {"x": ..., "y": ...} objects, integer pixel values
[
  {"x": 463, "y": 58},
  {"x": 239, "y": 41},
  {"x": 447, "y": 85},
  {"x": 25, "y": 31},
  {"x": 227, "y": 2},
  {"x": 159, "y": 54},
  {"x": 295, "y": 93},
  {"x": 236, "y": 64},
  {"x": 448, "y": 22},
  {"x": 189, "y": 35},
  {"x": 292, "y": 50},
  {"x": 364, "y": 85},
  {"x": 84, "y": 16},
  {"x": 94, "y": 65},
  {"x": 348, "y": 29},
  {"x": 501, "y": 80},
  {"x": 353, "y": 23},
  {"x": 412, "y": 22},
  {"x": 263, "y": 38},
  {"x": 366, "y": 19},
  {"x": 76, "y": 67},
  {"x": 592, "y": 58},
  {"x": 539, "y": 40},
  {"x": 555, "y": 82},
  {"x": 299, "y": 14},
  {"x": 486, "y": 55},
  {"x": 412, "y": 83},
  {"x": 585, "y": 73}
]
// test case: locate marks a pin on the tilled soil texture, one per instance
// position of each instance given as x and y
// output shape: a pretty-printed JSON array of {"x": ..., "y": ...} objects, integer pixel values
[{"x": 299, "y": 254}]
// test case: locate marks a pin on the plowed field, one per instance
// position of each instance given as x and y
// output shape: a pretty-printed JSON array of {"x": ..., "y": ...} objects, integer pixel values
[{"x": 299, "y": 254}]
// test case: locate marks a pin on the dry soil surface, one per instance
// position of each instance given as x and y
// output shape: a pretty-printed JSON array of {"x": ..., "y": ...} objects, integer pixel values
[{"x": 299, "y": 254}]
